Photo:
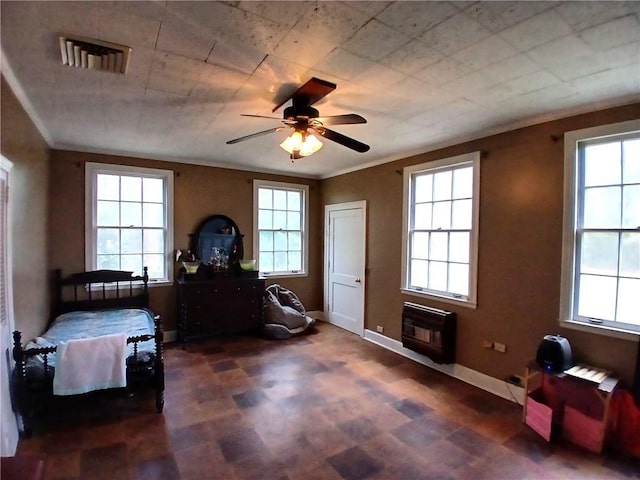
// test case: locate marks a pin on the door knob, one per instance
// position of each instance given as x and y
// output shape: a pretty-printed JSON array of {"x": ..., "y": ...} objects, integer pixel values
[{"x": 358, "y": 280}]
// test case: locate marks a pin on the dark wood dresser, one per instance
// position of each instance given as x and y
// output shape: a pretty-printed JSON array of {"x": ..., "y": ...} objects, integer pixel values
[{"x": 219, "y": 306}]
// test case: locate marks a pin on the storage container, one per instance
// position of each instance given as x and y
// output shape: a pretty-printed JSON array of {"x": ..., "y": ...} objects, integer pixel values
[
  {"x": 583, "y": 430},
  {"x": 539, "y": 415}
]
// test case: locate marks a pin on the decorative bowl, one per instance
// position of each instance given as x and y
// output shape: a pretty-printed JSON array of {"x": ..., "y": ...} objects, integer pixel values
[
  {"x": 191, "y": 267},
  {"x": 247, "y": 265}
]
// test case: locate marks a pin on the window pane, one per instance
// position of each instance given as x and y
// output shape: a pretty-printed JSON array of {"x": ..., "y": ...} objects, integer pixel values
[
  {"x": 108, "y": 262},
  {"x": 293, "y": 221},
  {"x": 131, "y": 241},
  {"x": 265, "y": 198},
  {"x": 279, "y": 200},
  {"x": 153, "y": 190},
  {"x": 293, "y": 201},
  {"x": 295, "y": 241},
  {"x": 631, "y": 161},
  {"x": 119, "y": 215},
  {"x": 459, "y": 247},
  {"x": 420, "y": 245},
  {"x": 438, "y": 276},
  {"x": 280, "y": 262},
  {"x": 266, "y": 241},
  {"x": 279, "y": 219},
  {"x": 108, "y": 240},
  {"x": 442, "y": 215},
  {"x": 463, "y": 183},
  {"x": 266, "y": 262},
  {"x": 152, "y": 215},
  {"x": 602, "y": 164},
  {"x": 422, "y": 189},
  {"x": 132, "y": 263},
  {"x": 131, "y": 188},
  {"x": 155, "y": 265},
  {"x": 108, "y": 187},
  {"x": 131, "y": 214},
  {"x": 438, "y": 247},
  {"x": 631, "y": 206},
  {"x": 461, "y": 214},
  {"x": 442, "y": 185},
  {"x": 265, "y": 219},
  {"x": 419, "y": 273},
  {"x": 602, "y": 207},
  {"x": 459, "y": 278},
  {"x": 108, "y": 214},
  {"x": 280, "y": 240},
  {"x": 599, "y": 253},
  {"x": 422, "y": 220},
  {"x": 597, "y": 297},
  {"x": 628, "y": 301},
  {"x": 630, "y": 255},
  {"x": 153, "y": 241},
  {"x": 295, "y": 261}
]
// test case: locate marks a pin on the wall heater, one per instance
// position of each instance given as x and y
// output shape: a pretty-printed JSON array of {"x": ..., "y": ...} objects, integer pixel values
[{"x": 429, "y": 331}]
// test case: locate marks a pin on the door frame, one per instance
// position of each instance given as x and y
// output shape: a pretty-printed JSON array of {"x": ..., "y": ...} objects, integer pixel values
[
  {"x": 9, "y": 429},
  {"x": 361, "y": 204}
]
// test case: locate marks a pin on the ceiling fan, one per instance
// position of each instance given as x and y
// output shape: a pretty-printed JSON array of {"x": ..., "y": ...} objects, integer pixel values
[{"x": 305, "y": 121}]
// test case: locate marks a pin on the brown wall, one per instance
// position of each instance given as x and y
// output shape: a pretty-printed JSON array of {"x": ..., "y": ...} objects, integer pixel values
[
  {"x": 519, "y": 252},
  {"x": 198, "y": 192},
  {"x": 22, "y": 144},
  {"x": 520, "y": 245}
]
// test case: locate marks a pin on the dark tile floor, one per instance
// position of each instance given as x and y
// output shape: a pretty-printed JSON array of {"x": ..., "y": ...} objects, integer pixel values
[{"x": 329, "y": 405}]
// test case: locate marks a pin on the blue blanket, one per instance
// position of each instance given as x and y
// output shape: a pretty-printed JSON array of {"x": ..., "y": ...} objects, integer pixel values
[{"x": 75, "y": 325}]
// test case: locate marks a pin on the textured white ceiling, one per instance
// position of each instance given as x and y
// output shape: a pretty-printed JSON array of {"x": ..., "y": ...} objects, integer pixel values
[{"x": 423, "y": 74}]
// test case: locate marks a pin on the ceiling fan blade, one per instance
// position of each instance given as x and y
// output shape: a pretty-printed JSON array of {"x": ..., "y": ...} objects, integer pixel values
[
  {"x": 257, "y": 134},
  {"x": 347, "y": 119},
  {"x": 259, "y": 116},
  {"x": 309, "y": 93},
  {"x": 343, "y": 140}
]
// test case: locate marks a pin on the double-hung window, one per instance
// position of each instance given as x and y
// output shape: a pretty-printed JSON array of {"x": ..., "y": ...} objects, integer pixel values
[
  {"x": 601, "y": 239},
  {"x": 280, "y": 227},
  {"x": 129, "y": 220},
  {"x": 440, "y": 229}
]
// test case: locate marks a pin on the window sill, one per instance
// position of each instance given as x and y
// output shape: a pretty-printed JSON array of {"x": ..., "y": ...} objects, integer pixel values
[
  {"x": 601, "y": 330},
  {"x": 431, "y": 296},
  {"x": 283, "y": 275}
]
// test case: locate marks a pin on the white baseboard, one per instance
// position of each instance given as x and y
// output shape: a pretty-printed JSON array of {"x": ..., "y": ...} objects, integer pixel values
[
  {"x": 485, "y": 382},
  {"x": 317, "y": 314}
]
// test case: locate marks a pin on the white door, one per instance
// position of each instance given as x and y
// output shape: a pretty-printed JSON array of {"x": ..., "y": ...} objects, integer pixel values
[
  {"x": 345, "y": 242},
  {"x": 8, "y": 424}
]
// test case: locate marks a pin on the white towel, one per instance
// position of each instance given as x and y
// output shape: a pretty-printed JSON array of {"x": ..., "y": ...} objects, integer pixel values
[{"x": 88, "y": 364}]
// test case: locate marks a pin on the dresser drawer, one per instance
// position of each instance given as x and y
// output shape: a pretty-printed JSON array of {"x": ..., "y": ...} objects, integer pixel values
[{"x": 220, "y": 306}]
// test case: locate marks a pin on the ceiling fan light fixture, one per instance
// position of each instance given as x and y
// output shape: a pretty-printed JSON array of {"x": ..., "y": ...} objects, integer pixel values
[
  {"x": 310, "y": 146},
  {"x": 301, "y": 144}
]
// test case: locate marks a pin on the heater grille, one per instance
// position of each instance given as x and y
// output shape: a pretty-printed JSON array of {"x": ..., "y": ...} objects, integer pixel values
[
  {"x": 429, "y": 331},
  {"x": 92, "y": 54}
]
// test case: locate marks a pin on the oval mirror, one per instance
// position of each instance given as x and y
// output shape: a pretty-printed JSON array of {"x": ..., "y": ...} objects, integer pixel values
[{"x": 217, "y": 236}]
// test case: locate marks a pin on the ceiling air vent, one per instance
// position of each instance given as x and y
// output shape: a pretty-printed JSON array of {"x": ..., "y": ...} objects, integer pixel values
[{"x": 94, "y": 54}]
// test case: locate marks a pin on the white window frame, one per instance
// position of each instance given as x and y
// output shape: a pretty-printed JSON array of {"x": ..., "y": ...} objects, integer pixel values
[
  {"x": 91, "y": 172},
  {"x": 471, "y": 159},
  {"x": 304, "y": 194},
  {"x": 568, "y": 315}
]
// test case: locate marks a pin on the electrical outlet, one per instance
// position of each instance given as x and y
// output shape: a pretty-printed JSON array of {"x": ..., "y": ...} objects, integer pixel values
[
  {"x": 487, "y": 344},
  {"x": 500, "y": 347},
  {"x": 380, "y": 329}
]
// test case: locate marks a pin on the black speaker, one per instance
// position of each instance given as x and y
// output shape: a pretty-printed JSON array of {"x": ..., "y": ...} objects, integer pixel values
[{"x": 554, "y": 354}]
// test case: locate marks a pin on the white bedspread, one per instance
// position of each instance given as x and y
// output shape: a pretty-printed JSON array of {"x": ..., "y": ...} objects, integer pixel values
[{"x": 88, "y": 364}]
